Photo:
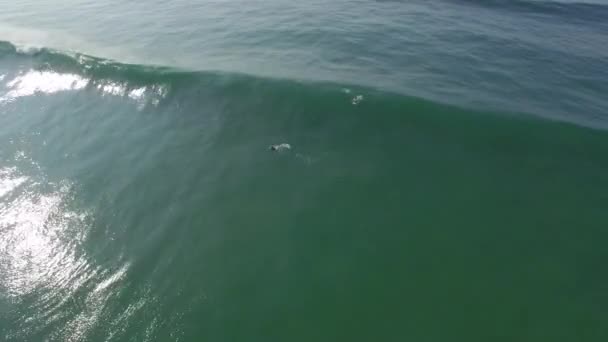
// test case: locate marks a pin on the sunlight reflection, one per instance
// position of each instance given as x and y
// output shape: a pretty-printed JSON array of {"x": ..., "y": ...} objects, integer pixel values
[
  {"x": 47, "y": 82},
  {"x": 31, "y": 223},
  {"x": 42, "y": 254}
]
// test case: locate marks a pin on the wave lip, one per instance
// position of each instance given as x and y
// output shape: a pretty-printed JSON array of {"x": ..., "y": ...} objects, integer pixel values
[
  {"x": 149, "y": 86},
  {"x": 55, "y": 71}
]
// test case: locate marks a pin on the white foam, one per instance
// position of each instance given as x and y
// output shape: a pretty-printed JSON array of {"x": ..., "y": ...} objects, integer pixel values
[
  {"x": 280, "y": 147},
  {"x": 9, "y": 180},
  {"x": 357, "y": 99},
  {"x": 111, "y": 88},
  {"x": 137, "y": 94}
]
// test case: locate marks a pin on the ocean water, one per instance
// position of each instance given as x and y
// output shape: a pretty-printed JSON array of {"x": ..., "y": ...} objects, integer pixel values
[{"x": 445, "y": 177}]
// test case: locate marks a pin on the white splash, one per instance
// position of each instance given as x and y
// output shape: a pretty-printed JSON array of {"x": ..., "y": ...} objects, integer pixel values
[
  {"x": 47, "y": 82},
  {"x": 9, "y": 180},
  {"x": 137, "y": 94},
  {"x": 28, "y": 49},
  {"x": 158, "y": 93},
  {"x": 20, "y": 155},
  {"x": 280, "y": 147},
  {"x": 112, "y": 88},
  {"x": 357, "y": 99},
  {"x": 142, "y": 95}
]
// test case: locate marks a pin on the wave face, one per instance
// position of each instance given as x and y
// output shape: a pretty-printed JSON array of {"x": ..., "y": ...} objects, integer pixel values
[
  {"x": 145, "y": 203},
  {"x": 545, "y": 58}
]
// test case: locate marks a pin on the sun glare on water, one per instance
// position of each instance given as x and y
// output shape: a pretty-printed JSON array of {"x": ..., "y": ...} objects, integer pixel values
[
  {"x": 42, "y": 254},
  {"x": 47, "y": 82}
]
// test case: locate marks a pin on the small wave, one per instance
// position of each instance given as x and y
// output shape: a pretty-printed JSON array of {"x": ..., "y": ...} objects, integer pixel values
[
  {"x": 55, "y": 71},
  {"x": 582, "y": 11},
  {"x": 195, "y": 91}
]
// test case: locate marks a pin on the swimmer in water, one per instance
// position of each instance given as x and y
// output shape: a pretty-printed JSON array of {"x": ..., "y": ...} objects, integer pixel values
[{"x": 280, "y": 147}]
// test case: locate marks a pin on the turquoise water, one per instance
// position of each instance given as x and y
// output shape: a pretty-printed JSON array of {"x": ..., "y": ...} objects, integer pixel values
[{"x": 446, "y": 179}]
